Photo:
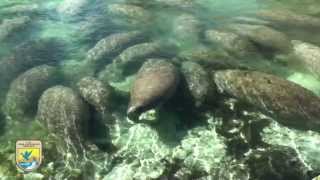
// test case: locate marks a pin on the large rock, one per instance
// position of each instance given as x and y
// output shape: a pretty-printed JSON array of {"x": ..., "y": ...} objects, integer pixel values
[
  {"x": 9, "y": 26},
  {"x": 155, "y": 83},
  {"x": 96, "y": 93},
  {"x": 66, "y": 115},
  {"x": 308, "y": 55},
  {"x": 289, "y": 103},
  {"x": 197, "y": 82},
  {"x": 264, "y": 36},
  {"x": 233, "y": 43},
  {"x": 25, "y": 91}
]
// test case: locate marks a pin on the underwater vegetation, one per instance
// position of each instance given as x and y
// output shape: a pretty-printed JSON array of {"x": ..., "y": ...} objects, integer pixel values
[{"x": 161, "y": 89}]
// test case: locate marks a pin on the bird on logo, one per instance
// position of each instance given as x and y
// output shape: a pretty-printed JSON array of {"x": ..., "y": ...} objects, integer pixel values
[{"x": 26, "y": 155}]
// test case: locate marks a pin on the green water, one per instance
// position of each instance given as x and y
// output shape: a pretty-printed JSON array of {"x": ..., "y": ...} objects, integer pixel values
[{"x": 191, "y": 131}]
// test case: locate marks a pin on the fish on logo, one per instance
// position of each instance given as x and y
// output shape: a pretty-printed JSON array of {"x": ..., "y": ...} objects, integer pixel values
[{"x": 28, "y": 154}]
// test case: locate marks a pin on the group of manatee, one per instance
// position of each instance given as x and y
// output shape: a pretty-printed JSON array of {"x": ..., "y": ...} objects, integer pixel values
[{"x": 36, "y": 88}]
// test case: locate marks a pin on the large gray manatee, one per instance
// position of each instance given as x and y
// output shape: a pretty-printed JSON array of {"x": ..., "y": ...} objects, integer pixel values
[
  {"x": 156, "y": 82},
  {"x": 287, "y": 102}
]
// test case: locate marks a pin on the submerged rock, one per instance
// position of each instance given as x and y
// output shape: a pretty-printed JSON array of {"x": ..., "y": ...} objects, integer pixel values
[
  {"x": 72, "y": 7},
  {"x": 277, "y": 162},
  {"x": 289, "y": 103},
  {"x": 112, "y": 45},
  {"x": 288, "y": 18},
  {"x": 10, "y": 26},
  {"x": 130, "y": 14},
  {"x": 233, "y": 43},
  {"x": 200, "y": 153},
  {"x": 308, "y": 55},
  {"x": 144, "y": 154},
  {"x": 65, "y": 115},
  {"x": 264, "y": 36},
  {"x": 25, "y": 91},
  {"x": 305, "y": 143},
  {"x": 96, "y": 93},
  {"x": 155, "y": 83},
  {"x": 231, "y": 169},
  {"x": 197, "y": 82},
  {"x": 240, "y": 127}
]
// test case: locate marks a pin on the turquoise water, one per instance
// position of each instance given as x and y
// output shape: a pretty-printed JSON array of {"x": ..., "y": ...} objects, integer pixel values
[{"x": 161, "y": 89}]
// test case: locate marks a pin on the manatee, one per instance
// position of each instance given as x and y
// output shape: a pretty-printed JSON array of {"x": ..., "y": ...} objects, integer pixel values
[
  {"x": 96, "y": 93},
  {"x": 112, "y": 45},
  {"x": 138, "y": 52},
  {"x": 72, "y": 7},
  {"x": 131, "y": 59},
  {"x": 288, "y": 103},
  {"x": 38, "y": 52},
  {"x": 65, "y": 114},
  {"x": 25, "y": 91},
  {"x": 197, "y": 81},
  {"x": 264, "y": 36},
  {"x": 231, "y": 42},
  {"x": 10, "y": 26},
  {"x": 175, "y": 4},
  {"x": 289, "y": 18},
  {"x": 211, "y": 59},
  {"x": 187, "y": 28},
  {"x": 28, "y": 55},
  {"x": 308, "y": 55},
  {"x": 250, "y": 20},
  {"x": 9, "y": 70},
  {"x": 21, "y": 8},
  {"x": 155, "y": 83},
  {"x": 111, "y": 73},
  {"x": 131, "y": 14}
]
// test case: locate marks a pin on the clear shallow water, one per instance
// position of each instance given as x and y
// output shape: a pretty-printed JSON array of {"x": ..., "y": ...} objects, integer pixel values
[{"x": 194, "y": 133}]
